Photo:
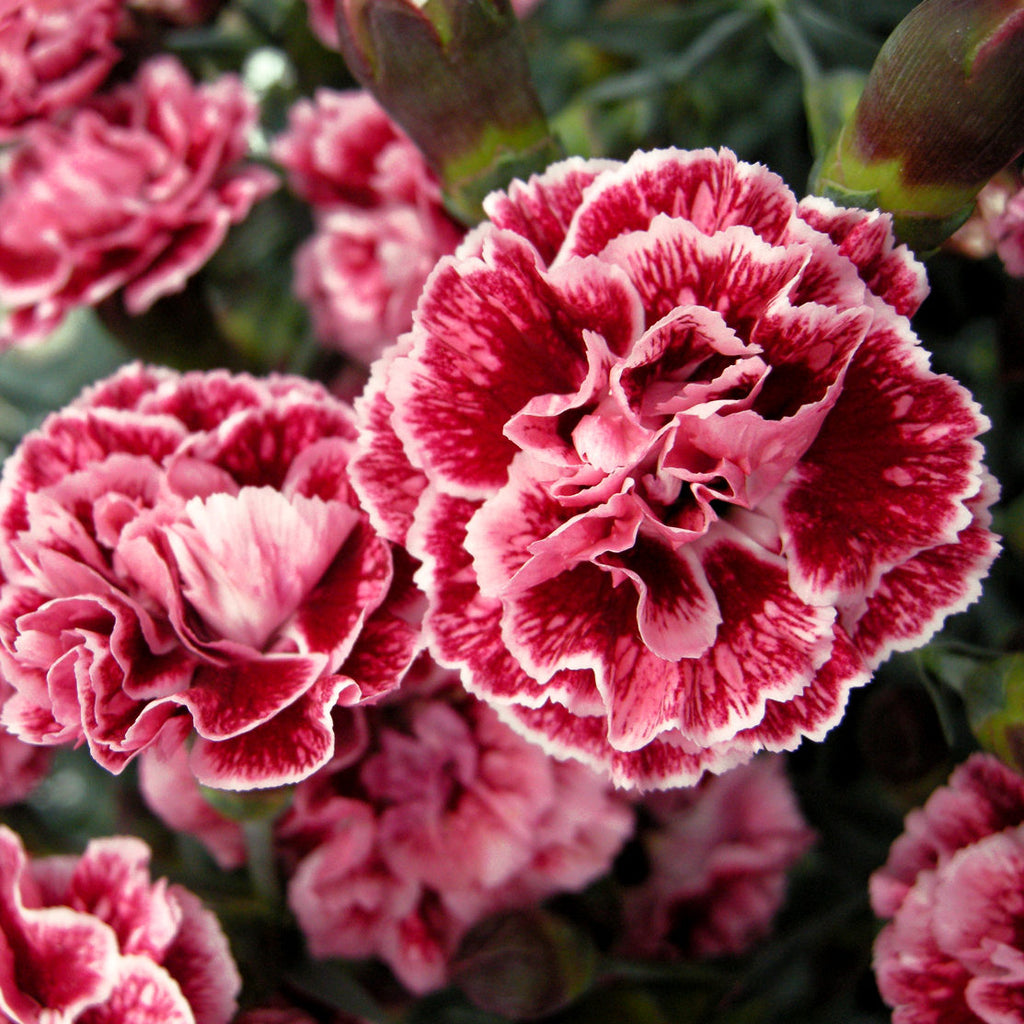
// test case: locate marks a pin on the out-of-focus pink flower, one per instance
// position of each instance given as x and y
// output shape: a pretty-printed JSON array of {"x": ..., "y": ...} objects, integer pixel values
[
  {"x": 323, "y": 21},
  {"x": 718, "y": 856},
  {"x": 974, "y": 238},
  {"x": 447, "y": 817},
  {"x": 186, "y": 562},
  {"x": 675, "y": 464},
  {"x": 342, "y": 150},
  {"x": 1008, "y": 234},
  {"x": 93, "y": 939},
  {"x": 53, "y": 56},
  {"x": 381, "y": 225},
  {"x": 136, "y": 191},
  {"x": 952, "y": 886},
  {"x": 362, "y": 272},
  {"x": 22, "y": 765}
]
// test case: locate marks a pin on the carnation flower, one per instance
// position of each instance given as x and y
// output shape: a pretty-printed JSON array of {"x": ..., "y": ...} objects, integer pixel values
[
  {"x": 54, "y": 56},
  {"x": 135, "y": 191},
  {"x": 717, "y": 858},
  {"x": 674, "y": 461},
  {"x": 952, "y": 949},
  {"x": 185, "y": 562},
  {"x": 94, "y": 940},
  {"x": 361, "y": 274},
  {"x": 342, "y": 150},
  {"x": 381, "y": 224},
  {"x": 446, "y": 817}
]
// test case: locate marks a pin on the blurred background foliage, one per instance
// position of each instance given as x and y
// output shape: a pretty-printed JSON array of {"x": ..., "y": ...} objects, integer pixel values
[{"x": 613, "y": 75}]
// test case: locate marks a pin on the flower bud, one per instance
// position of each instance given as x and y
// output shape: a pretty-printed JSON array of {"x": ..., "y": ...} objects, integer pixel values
[
  {"x": 941, "y": 113},
  {"x": 523, "y": 964},
  {"x": 454, "y": 74}
]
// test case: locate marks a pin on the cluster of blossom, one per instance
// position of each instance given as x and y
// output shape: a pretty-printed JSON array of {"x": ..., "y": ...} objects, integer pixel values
[
  {"x": 128, "y": 190},
  {"x": 953, "y": 947},
  {"x": 438, "y": 815},
  {"x": 657, "y": 473},
  {"x": 380, "y": 222}
]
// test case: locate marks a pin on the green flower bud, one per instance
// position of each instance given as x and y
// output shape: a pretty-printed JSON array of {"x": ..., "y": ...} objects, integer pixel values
[
  {"x": 454, "y": 74},
  {"x": 941, "y": 113},
  {"x": 524, "y": 964}
]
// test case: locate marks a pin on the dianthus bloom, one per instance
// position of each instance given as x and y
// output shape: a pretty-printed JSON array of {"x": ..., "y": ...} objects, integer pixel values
[
  {"x": 381, "y": 224},
  {"x": 717, "y": 856},
  {"x": 93, "y": 940},
  {"x": 185, "y": 562},
  {"x": 53, "y": 56},
  {"x": 446, "y": 816},
  {"x": 675, "y": 464},
  {"x": 953, "y": 949},
  {"x": 135, "y": 191}
]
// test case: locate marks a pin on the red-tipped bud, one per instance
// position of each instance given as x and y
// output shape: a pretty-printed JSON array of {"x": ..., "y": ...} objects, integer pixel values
[
  {"x": 941, "y": 113},
  {"x": 454, "y": 74}
]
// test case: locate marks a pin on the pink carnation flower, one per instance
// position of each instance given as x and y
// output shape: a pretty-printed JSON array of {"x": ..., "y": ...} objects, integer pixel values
[
  {"x": 92, "y": 939},
  {"x": 381, "y": 225},
  {"x": 675, "y": 464},
  {"x": 718, "y": 856},
  {"x": 952, "y": 886},
  {"x": 136, "y": 191},
  {"x": 53, "y": 56},
  {"x": 341, "y": 149},
  {"x": 185, "y": 562},
  {"x": 448, "y": 816},
  {"x": 361, "y": 275}
]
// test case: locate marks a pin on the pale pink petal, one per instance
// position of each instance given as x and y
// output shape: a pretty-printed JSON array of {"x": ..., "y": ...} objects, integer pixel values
[{"x": 247, "y": 561}]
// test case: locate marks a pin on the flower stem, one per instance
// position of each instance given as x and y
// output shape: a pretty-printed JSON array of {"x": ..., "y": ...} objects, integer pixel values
[{"x": 263, "y": 877}]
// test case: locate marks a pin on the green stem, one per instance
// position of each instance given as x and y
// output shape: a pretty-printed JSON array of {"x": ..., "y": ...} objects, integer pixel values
[{"x": 262, "y": 866}]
